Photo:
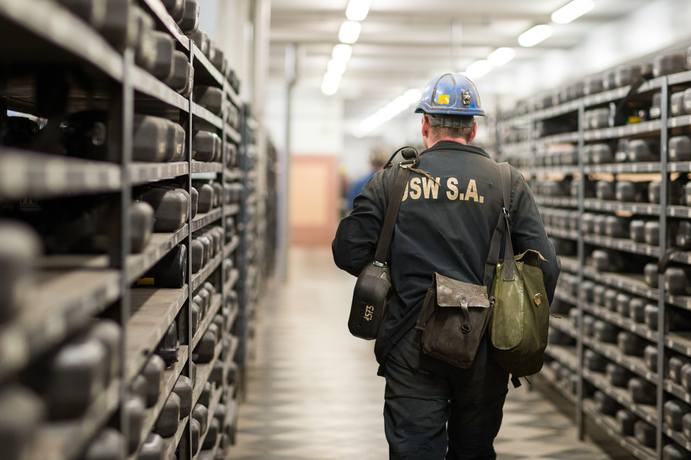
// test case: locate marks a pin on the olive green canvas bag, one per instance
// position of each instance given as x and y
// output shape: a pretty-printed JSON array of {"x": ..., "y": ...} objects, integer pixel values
[{"x": 519, "y": 323}]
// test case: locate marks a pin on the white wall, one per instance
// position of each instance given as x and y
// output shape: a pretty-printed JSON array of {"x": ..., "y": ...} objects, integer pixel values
[
  {"x": 275, "y": 112},
  {"x": 229, "y": 24},
  {"x": 318, "y": 128},
  {"x": 317, "y": 120},
  {"x": 400, "y": 131},
  {"x": 317, "y": 123},
  {"x": 660, "y": 25},
  {"x": 208, "y": 14}
]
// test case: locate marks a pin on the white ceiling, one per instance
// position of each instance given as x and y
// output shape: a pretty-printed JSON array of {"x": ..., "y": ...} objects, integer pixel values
[{"x": 404, "y": 43}]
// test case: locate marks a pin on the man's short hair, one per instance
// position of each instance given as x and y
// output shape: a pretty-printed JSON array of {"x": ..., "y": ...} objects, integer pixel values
[
  {"x": 455, "y": 121},
  {"x": 457, "y": 126}
]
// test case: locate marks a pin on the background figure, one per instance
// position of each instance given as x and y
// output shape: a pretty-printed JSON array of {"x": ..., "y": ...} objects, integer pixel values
[{"x": 377, "y": 159}]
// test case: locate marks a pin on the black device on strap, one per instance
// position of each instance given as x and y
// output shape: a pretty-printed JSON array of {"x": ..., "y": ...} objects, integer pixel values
[{"x": 408, "y": 155}]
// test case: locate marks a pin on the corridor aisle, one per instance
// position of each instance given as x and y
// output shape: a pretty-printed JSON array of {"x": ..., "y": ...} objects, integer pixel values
[{"x": 313, "y": 392}]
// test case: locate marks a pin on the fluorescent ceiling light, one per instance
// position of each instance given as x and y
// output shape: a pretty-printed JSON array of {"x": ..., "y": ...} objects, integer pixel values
[
  {"x": 337, "y": 67},
  {"x": 398, "y": 105},
  {"x": 386, "y": 113},
  {"x": 329, "y": 88},
  {"x": 478, "y": 69},
  {"x": 501, "y": 56},
  {"x": 341, "y": 52},
  {"x": 532, "y": 37},
  {"x": 349, "y": 32},
  {"x": 357, "y": 9},
  {"x": 331, "y": 83},
  {"x": 571, "y": 11},
  {"x": 413, "y": 95}
]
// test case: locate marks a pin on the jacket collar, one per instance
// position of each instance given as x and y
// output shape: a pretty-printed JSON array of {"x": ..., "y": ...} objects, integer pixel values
[{"x": 451, "y": 145}]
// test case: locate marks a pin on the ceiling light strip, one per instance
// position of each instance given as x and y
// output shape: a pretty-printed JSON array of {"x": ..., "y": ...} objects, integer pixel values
[
  {"x": 330, "y": 83},
  {"x": 357, "y": 9},
  {"x": 501, "y": 56},
  {"x": 386, "y": 113},
  {"x": 342, "y": 52},
  {"x": 478, "y": 68},
  {"x": 572, "y": 11},
  {"x": 349, "y": 32},
  {"x": 535, "y": 35}
]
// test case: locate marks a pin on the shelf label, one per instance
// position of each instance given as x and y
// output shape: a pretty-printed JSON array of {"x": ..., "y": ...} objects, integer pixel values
[
  {"x": 55, "y": 173},
  {"x": 54, "y": 326},
  {"x": 13, "y": 349},
  {"x": 14, "y": 181}
]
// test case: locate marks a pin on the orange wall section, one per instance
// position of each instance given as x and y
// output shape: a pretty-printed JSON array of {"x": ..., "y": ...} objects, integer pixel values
[{"x": 313, "y": 199}]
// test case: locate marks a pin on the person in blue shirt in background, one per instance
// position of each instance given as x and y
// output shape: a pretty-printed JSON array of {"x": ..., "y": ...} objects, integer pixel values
[{"x": 377, "y": 160}]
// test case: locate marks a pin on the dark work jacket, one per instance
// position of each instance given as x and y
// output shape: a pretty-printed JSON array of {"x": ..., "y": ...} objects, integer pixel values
[{"x": 445, "y": 228}]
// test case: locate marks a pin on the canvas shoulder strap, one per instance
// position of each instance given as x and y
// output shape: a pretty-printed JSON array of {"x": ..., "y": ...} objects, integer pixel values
[{"x": 501, "y": 230}]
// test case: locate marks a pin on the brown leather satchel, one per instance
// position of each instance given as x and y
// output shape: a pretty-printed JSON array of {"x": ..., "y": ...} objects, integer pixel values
[
  {"x": 453, "y": 319},
  {"x": 455, "y": 314}
]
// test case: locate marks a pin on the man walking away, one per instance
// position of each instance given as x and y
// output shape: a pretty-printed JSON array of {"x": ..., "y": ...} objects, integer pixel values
[{"x": 434, "y": 410}]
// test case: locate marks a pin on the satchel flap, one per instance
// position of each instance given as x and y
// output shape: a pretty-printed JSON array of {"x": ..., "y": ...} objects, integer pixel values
[{"x": 454, "y": 293}]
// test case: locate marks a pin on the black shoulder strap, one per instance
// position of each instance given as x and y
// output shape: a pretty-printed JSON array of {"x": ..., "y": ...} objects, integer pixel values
[
  {"x": 509, "y": 263},
  {"x": 501, "y": 230},
  {"x": 391, "y": 214}
]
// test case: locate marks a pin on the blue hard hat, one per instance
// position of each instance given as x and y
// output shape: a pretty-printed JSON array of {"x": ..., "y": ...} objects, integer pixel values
[{"x": 450, "y": 94}]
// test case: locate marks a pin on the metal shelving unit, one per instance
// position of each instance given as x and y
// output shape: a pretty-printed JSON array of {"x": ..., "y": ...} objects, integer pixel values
[
  {"x": 539, "y": 156},
  {"x": 72, "y": 292}
]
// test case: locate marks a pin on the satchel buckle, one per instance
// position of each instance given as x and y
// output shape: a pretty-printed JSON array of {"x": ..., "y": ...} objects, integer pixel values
[
  {"x": 465, "y": 327},
  {"x": 376, "y": 263},
  {"x": 506, "y": 212}
]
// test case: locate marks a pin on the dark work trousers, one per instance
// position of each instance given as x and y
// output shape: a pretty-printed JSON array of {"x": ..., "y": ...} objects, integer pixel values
[{"x": 431, "y": 405}]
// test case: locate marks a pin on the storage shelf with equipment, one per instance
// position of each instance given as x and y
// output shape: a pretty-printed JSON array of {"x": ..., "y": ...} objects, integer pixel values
[
  {"x": 123, "y": 197},
  {"x": 608, "y": 161}
]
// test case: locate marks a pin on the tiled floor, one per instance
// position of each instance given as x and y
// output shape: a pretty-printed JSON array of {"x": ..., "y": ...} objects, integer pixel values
[{"x": 313, "y": 393}]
